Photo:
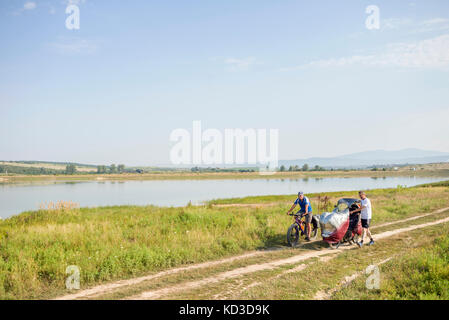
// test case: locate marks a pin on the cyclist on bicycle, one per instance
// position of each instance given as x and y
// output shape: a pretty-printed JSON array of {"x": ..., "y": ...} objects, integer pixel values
[{"x": 305, "y": 210}]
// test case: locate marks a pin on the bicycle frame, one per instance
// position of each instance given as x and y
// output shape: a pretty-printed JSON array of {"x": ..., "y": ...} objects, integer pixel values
[{"x": 299, "y": 220}]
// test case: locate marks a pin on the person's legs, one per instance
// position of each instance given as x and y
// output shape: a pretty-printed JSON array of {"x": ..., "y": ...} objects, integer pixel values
[
  {"x": 360, "y": 243},
  {"x": 365, "y": 225},
  {"x": 371, "y": 240},
  {"x": 308, "y": 224},
  {"x": 368, "y": 232}
]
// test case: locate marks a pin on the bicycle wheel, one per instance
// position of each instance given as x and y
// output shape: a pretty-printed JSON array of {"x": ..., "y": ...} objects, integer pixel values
[
  {"x": 293, "y": 235},
  {"x": 333, "y": 245}
]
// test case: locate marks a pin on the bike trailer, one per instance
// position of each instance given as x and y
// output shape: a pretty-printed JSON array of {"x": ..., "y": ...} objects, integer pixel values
[{"x": 335, "y": 224}]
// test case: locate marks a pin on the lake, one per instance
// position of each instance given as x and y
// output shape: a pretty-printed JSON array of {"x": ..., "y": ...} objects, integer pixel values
[{"x": 16, "y": 198}]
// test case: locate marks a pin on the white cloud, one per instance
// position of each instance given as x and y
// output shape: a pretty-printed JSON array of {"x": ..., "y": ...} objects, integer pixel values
[
  {"x": 74, "y": 46},
  {"x": 435, "y": 21},
  {"x": 29, "y": 5},
  {"x": 394, "y": 23},
  {"x": 76, "y": 2},
  {"x": 410, "y": 26},
  {"x": 436, "y": 24},
  {"x": 240, "y": 64},
  {"x": 429, "y": 53}
]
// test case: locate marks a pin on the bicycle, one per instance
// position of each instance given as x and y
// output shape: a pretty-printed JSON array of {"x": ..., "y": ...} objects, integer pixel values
[{"x": 298, "y": 229}]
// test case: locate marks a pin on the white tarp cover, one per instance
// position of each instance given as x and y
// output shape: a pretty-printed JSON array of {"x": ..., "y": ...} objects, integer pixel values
[{"x": 331, "y": 221}]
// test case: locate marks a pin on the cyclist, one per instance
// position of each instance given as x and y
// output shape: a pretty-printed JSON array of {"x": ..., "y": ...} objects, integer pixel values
[{"x": 305, "y": 210}]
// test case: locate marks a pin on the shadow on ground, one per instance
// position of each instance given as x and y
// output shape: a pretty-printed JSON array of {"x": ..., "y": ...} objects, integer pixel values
[{"x": 279, "y": 241}]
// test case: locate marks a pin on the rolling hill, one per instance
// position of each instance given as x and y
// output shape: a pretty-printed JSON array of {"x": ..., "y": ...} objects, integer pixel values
[{"x": 373, "y": 158}]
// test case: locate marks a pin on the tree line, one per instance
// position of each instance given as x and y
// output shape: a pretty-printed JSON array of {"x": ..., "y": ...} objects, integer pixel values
[
  {"x": 282, "y": 168},
  {"x": 111, "y": 169},
  {"x": 6, "y": 169},
  {"x": 305, "y": 167},
  {"x": 211, "y": 169},
  {"x": 70, "y": 169}
]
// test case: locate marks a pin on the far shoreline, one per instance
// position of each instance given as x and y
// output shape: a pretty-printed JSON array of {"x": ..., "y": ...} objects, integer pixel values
[{"x": 6, "y": 179}]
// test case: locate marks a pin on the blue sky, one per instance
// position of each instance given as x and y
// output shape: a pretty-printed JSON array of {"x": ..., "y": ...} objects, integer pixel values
[{"x": 112, "y": 91}]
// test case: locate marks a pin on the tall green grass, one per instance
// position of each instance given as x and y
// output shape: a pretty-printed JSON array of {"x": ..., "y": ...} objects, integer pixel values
[
  {"x": 115, "y": 242},
  {"x": 422, "y": 275},
  {"x": 418, "y": 274}
]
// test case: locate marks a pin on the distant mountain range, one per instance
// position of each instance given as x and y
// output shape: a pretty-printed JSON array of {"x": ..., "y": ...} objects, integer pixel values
[
  {"x": 357, "y": 160},
  {"x": 373, "y": 158}
]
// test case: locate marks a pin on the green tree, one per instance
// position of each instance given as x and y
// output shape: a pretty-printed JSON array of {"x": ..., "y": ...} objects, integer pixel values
[
  {"x": 113, "y": 168},
  {"x": 121, "y": 168},
  {"x": 305, "y": 167},
  {"x": 282, "y": 168},
  {"x": 101, "y": 169},
  {"x": 70, "y": 169}
]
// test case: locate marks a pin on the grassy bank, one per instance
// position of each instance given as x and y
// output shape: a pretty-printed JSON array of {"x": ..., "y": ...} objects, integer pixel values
[{"x": 110, "y": 243}]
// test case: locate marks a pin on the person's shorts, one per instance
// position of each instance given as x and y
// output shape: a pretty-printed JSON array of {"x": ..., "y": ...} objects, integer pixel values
[
  {"x": 308, "y": 217},
  {"x": 365, "y": 223}
]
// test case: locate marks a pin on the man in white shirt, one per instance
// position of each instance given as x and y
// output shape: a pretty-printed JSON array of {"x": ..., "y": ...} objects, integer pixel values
[{"x": 365, "y": 208}]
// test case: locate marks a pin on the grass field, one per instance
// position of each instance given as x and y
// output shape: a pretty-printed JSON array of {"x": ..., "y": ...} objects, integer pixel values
[{"x": 111, "y": 243}]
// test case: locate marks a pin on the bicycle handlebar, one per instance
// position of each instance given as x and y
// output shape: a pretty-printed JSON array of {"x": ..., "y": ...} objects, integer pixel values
[{"x": 295, "y": 214}]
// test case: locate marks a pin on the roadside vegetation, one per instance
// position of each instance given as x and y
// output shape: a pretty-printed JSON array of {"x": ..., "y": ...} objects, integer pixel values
[
  {"x": 423, "y": 274},
  {"x": 110, "y": 243},
  {"x": 420, "y": 274}
]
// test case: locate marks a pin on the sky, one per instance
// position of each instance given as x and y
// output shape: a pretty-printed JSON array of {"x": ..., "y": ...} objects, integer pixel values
[{"x": 113, "y": 90}]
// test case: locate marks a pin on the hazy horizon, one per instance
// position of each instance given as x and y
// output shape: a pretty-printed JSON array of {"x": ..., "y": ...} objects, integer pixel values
[{"x": 432, "y": 153}]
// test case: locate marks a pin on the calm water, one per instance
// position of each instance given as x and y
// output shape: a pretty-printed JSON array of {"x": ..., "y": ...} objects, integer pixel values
[{"x": 16, "y": 198}]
